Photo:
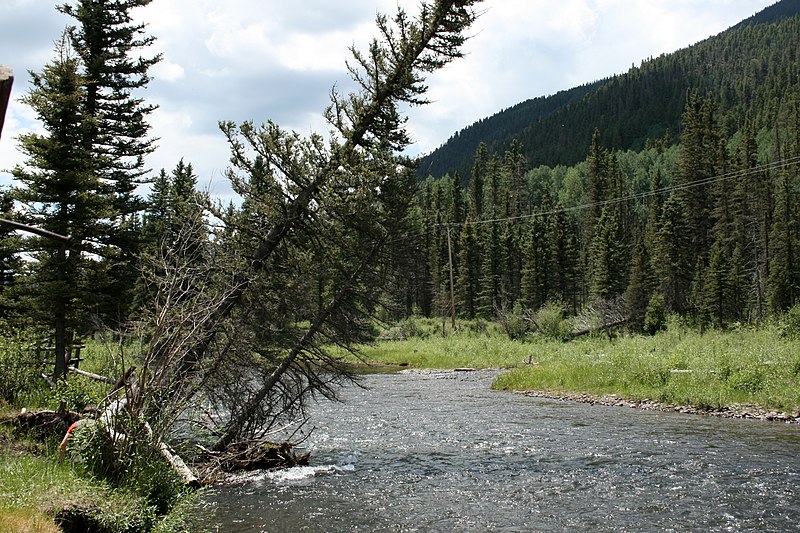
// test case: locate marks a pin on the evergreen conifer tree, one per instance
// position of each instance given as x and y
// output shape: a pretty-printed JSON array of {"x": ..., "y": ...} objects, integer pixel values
[
  {"x": 641, "y": 285},
  {"x": 59, "y": 191},
  {"x": 673, "y": 256},
  {"x": 607, "y": 258},
  {"x": 469, "y": 275},
  {"x": 107, "y": 41}
]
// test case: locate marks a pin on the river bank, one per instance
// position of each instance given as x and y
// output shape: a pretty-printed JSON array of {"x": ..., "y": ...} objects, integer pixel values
[
  {"x": 744, "y": 373},
  {"x": 750, "y": 412},
  {"x": 735, "y": 411}
]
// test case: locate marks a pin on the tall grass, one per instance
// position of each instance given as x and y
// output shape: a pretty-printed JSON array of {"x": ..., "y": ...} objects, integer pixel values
[
  {"x": 715, "y": 369},
  {"x": 679, "y": 366},
  {"x": 431, "y": 343}
]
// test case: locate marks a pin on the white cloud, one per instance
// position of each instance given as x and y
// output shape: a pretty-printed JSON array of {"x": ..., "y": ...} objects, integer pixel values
[
  {"x": 270, "y": 59},
  {"x": 169, "y": 71}
]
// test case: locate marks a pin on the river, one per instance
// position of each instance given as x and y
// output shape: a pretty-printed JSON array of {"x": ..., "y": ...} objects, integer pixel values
[{"x": 443, "y": 452}]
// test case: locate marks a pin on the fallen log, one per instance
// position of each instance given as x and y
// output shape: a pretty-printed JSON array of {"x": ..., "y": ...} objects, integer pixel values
[
  {"x": 175, "y": 461},
  {"x": 249, "y": 456},
  {"x": 45, "y": 424},
  {"x": 96, "y": 377}
]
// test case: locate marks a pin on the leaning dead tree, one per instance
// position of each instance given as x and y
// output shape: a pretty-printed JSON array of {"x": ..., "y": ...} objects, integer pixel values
[{"x": 242, "y": 325}]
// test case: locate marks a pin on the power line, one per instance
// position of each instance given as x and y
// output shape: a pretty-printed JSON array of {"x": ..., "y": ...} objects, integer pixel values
[{"x": 775, "y": 165}]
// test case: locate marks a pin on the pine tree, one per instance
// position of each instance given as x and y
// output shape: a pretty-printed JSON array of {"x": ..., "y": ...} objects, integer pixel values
[
  {"x": 491, "y": 295},
  {"x": 699, "y": 151},
  {"x": 537, "y": 265},
  {"x": 469, "y": 271},
  {"x": 107, "y": 42},
  {"x": 607, "y": 258},
  {"x": 641, "y": 285},
  {"x": 598, "y": 187},
  {"x": 515, "y": 165},
  {"x": 716, "y": 298},
  {"x": 784, "y": 281},
  {"x": 562, "y": 236},
  {"x": 786, "y": 288},
  {"x": 480, "y": 170},
  {"x": 672, "y": 255},
  {"x": 10, "y": 261},
  {"x": 60, "y": 192}
]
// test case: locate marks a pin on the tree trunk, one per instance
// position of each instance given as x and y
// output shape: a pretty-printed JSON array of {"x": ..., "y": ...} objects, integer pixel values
[{"x": 234, "y": 428}]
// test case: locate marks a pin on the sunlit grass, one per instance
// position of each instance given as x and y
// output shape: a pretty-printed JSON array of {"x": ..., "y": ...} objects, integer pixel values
[
  {"x": 680, "y": 366},
  {"x": 454, "y": 351},
  {"x": 35, "y": 486},
  {"x": 27, "y": 521},
  {"x": 714, "y": 370}
]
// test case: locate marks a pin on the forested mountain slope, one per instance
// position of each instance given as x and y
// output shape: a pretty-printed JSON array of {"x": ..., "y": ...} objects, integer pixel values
[{"x": 748, "y": 68}]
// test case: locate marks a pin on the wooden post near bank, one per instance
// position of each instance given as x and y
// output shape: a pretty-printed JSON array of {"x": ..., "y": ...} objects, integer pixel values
[{"x": 6, "y": 81}]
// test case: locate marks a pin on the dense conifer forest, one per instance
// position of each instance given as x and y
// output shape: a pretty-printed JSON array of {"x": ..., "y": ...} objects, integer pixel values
[
  {"x": 671, "y": 188},
  {"x": 750, "y": 69}
]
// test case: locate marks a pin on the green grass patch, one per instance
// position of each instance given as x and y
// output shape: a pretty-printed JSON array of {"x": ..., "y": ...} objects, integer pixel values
[
  {"x": 35, "y": 488},
  {"x": 462, "y": 349},
  {"x": 680, "y": 366},
  {"x": 715, "y": 370}
]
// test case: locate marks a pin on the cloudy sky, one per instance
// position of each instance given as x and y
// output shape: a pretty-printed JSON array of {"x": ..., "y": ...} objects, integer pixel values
[{"x": 276, "y": 59}]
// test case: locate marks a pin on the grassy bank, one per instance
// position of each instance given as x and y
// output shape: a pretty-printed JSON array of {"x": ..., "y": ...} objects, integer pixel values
[
  {"x": 37, "y": 491},
  {"x": 759, "y": 367}
]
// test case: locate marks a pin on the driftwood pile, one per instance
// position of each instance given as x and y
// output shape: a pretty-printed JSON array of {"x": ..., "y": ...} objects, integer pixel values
[{"x": 249, "y": 456}]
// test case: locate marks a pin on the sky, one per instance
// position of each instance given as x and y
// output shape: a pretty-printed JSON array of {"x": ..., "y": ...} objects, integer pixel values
[{"x": 275, "y": 60}]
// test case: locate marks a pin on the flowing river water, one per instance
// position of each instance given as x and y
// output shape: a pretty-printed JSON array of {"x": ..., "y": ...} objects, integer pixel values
[{"x": 442, "y": 452}]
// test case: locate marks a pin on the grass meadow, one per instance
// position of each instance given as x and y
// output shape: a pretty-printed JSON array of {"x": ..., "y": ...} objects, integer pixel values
[{"x": 682, "y": 366}]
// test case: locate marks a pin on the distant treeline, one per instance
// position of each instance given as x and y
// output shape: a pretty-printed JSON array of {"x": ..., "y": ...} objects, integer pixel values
[
  {"x": 750, "y": 68},
  {"x": 707, "y": 227}
]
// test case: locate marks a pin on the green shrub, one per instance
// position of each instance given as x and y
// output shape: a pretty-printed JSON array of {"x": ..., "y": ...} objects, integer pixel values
[
  {"x": 77, "y": 393},
  {"x": 20, "y": 364},
  {"x": 514, "y": 322},
  {"x": 551, "y": 322},
  {"x": 410, "y": 327},
  {"x": 791, "y": 324},
  {"x": 655, "y": 317},
  {"x": 747, "y": 379},
  {"x": 131, "y": 462}
]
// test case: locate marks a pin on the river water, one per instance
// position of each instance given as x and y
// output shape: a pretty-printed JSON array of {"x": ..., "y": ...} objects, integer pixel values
[{"x": 442, "y": 452}]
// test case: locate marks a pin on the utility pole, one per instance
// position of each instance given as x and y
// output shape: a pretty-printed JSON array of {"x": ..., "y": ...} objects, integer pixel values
[{"x": 452, "y": 289}]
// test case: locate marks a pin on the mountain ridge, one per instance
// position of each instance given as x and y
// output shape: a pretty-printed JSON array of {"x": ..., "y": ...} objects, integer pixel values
[{"x": 743, "y": 66}]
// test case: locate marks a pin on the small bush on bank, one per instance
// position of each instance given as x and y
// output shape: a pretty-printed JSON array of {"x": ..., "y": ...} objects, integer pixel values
[
  {"x": 132, "y": 463},
  {"x": 515, "y": 322},
  {"x": 791, "y": 323},
  {"x": 655, "y": 316},
  {"x": 20, "y": 364},
  {"x": 551, "y": 322},
  {"x": 77, "y": 393}
]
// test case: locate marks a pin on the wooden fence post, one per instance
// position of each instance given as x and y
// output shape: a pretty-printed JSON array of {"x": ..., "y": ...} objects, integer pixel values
[{"x": 6, "y": 80}]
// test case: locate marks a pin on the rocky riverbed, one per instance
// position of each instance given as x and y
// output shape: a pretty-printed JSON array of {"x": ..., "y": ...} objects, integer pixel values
[{"x": 612, "y": 400}]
